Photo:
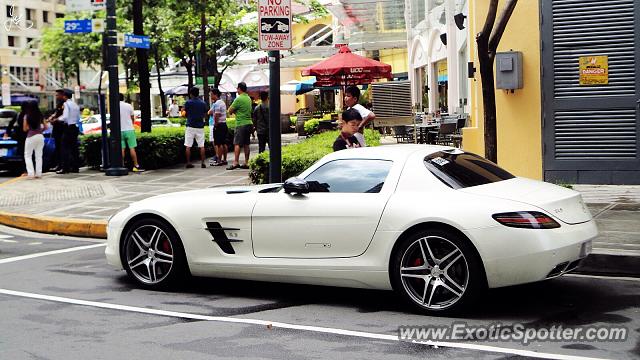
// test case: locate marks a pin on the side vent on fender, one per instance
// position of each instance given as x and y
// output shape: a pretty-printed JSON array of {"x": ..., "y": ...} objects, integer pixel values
[{"x": 220, "y": 237}]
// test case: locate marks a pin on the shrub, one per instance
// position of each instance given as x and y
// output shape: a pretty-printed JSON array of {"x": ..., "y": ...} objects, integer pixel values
[
  {"x": 298, "y": 157},
  {"x": 160, "y": 148},
  {"x": 311, "y": 126},
  {"x": 178, "y": 120}
]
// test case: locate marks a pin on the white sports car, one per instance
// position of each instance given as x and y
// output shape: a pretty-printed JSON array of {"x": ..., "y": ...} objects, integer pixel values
[{"x": 436, "y": 224}]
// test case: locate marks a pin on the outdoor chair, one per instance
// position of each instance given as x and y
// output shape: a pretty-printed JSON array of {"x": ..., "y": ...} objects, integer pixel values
[
  {"x": 401, "y": 134},
  {"x": 445, "y": 133}
]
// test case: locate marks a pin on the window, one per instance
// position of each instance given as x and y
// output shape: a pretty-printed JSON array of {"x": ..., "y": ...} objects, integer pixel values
[
  {"x": 30, "y": 43},
  {"x": 45, "y": 17},
  {"x": 27, "y": 75},
  {"x": 350, "y": 176},
  {"x": 12, "y": 41},
  {"x": 59, "y": 16},
  {"x": 461, "y": 170},
  {"x": 11, "y": 11}
]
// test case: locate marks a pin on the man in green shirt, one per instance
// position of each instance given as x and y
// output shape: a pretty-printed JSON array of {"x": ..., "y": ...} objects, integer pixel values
[{"x": 241, "y": 106}]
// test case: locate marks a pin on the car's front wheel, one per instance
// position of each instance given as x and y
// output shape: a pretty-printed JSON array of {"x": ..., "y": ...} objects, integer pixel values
[
  {"x": 152, "y": 254},
  {"x": 436, "y": 271}
]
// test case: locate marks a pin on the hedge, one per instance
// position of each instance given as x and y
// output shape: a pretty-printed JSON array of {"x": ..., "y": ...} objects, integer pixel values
[
  {"x": 160, "y": 148},
  {"x": 298, "y": 157},
  {"x": 311, "y": 126},
  {"x": 231, "y": 122}
]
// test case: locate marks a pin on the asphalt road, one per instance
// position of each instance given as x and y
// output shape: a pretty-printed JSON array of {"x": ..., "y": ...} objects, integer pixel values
[{"x": 72, "y": 305}]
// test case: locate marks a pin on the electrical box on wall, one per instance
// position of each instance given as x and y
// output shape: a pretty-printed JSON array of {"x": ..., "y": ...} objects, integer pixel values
[{"x": 509, "y": 70}]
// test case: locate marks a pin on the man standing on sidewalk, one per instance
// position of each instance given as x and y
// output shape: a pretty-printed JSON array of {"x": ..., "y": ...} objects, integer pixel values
[
  {"x": 218, "y": 127},
  {"x": 196, "y": 111},
  {"x": 70, "y": 116},
  {"x": 241, "y": 106},
  {"x": 174, "y": 109},
  {"x": 127, "y": 133},
  {"x": 261, "y": 116}
]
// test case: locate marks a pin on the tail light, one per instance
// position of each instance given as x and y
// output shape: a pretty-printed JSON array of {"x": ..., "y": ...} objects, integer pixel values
[{"x": 526, "y": 220}]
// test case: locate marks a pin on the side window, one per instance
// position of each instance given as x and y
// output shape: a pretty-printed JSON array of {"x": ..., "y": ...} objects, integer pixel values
[{"x": 350, "y": 176}]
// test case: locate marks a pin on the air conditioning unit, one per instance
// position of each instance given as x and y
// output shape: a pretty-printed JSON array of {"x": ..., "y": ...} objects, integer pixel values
[{"x": 391, "y": 102}]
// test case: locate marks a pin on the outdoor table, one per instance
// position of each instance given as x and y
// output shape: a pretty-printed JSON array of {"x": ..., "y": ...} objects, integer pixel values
[{"x": 422, "y": 132}]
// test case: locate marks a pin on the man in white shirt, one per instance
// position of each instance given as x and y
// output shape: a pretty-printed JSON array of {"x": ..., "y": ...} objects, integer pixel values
[
  {"x": 127, "y": 132},
  {"x": 351, "y": 98},
  {"x": 174, "y": 109},
  {"x": 218, "y": 126},
  {"x": 70, "y": 117}
]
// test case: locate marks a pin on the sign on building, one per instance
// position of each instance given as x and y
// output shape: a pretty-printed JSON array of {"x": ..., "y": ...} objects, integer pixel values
[
  {"x": 274, "y": 24},
  {"x": 594, "y": 70}
]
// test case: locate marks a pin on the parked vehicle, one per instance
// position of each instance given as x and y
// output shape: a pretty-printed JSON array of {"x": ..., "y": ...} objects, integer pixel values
[
  {"x": 11, "y": 158},
  {"x": 436, "y": 224},
  {"x": 162, "y": 122}
]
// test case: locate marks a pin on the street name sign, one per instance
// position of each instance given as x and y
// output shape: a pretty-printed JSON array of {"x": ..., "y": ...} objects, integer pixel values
[
  {"x": 274, "y": 24},
  {"x": 136, "y": 41},
  {"x": 77, "y": 26}
]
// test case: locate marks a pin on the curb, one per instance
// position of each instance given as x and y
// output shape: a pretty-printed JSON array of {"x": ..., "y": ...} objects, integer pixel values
[
  {"x": 610, "y": 265},
  {"x": 54, "y": 225}
]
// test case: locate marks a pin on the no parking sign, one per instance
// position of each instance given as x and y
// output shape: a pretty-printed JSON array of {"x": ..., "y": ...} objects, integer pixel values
[{"x": 274, "y": 24}]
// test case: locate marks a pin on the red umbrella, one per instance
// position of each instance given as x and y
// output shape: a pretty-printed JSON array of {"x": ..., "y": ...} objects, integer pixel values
[{"x": 347, "y": 68}]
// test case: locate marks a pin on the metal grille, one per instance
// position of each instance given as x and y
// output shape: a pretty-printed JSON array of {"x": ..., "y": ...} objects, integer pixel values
[
  {"x": 595, "y": 134},
  {"x": 391, "y": 99},
  {"x": 593, "y": 27}
]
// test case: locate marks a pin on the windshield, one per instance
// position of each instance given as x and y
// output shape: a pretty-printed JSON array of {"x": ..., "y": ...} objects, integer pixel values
[{"x": 464, "y": 169}]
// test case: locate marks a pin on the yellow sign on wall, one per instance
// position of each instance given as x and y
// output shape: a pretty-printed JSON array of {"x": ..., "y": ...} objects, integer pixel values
[{"x": 594, "y": 70}]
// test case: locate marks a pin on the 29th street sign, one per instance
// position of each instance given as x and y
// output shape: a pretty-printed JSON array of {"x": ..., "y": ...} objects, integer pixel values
[{"x": 274, "y": 24}]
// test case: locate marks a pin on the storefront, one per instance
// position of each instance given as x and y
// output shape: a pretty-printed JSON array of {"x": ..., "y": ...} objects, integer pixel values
[{"x": 437, "y": 55}]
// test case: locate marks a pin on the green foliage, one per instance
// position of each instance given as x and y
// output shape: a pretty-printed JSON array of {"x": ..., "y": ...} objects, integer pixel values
[
  {"x": 311, "y": 126},
  {"x": 66, "y": 51},
  {"x": 179, "y": 120},
  {"x": 298, "y": 157},
  {"x": 160, "y": 148}
]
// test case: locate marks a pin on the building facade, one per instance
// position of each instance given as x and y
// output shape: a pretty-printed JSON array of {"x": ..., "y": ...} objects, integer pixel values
[{"x": 576, "y": 118}]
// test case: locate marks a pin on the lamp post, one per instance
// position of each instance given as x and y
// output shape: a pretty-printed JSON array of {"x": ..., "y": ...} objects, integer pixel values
[{"x": 115, "y": 165}]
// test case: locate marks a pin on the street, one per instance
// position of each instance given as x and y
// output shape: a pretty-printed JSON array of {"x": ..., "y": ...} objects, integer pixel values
[{"x": 61, "y": 289}]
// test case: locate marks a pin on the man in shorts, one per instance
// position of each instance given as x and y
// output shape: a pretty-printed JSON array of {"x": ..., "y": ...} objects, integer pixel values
[
  {"x": 196, "y": 110},
  {"x": 218, "y": 127},
  {"x": 241, "y": 106},
  {"x": 127, "y": 133}
]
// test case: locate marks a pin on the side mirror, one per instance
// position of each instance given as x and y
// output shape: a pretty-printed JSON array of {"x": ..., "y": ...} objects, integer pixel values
[{"x": 296, "y": 186}]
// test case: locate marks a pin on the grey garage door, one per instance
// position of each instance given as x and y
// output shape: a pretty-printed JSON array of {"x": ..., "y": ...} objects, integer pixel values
[{"x": 591, "y": 131}]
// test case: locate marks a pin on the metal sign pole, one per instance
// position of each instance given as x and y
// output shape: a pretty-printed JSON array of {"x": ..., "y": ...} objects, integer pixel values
[
  {"x": 275, "y": 138},
  {"x": 115, "y": 166}
]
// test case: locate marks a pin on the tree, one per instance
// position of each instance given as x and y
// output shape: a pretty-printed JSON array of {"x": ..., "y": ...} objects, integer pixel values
[
  {"x": 66, "y": 52},
  {"x": 487, "y": 42}
]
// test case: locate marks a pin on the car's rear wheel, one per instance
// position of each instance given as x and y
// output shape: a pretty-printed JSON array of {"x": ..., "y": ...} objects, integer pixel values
[
  {"x": 152, "y": 254},
  {"x": 437, "y": 271}
]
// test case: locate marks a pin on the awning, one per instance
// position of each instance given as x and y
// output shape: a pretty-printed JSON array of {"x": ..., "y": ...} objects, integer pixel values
[{"x": 295, "y": 87}]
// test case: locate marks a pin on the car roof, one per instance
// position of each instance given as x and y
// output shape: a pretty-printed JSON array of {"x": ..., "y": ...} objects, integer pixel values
[{"x": 386, "y": 152}]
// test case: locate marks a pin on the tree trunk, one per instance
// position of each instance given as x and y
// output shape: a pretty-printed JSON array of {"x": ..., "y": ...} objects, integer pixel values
[
  {"x": 78, "y": 74},
  {"x": 163, "y": 101},
  {"x": 143, "y": 70},
  {"x": 189, "y": 66},
  {"x": 203, "y": 55}
]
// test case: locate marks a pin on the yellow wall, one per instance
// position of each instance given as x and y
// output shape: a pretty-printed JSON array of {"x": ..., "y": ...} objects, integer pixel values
[
  {"x": 397, "y": 58},
  {"x": 519, "y": 118}
]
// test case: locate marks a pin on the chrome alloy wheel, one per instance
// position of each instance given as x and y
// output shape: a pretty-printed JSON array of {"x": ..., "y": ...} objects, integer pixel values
[
  {"x": 434, "y": 272},
  {"x": 149, "y": 254}
]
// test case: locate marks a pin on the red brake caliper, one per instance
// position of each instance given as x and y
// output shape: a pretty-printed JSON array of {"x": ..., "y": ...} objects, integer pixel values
[{"x": 166, "y": 247}]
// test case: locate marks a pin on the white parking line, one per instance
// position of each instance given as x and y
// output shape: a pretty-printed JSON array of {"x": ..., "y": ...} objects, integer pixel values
[
  {"x": 318, "y": 329},
  {"x": 47, "y": 253},
  {"x": 625, "y": 278},
  {"x": 6, "y": 236},
  {"x": 8, "y": 241}
]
